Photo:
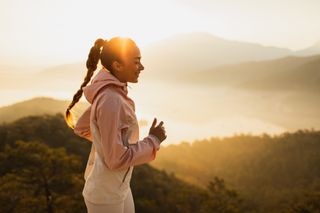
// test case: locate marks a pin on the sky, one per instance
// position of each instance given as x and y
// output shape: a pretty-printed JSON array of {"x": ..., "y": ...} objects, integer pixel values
[{"x": 52, "y": 32}]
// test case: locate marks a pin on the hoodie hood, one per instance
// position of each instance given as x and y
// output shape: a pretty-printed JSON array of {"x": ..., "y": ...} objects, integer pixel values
[{"x": 103, "y": 79}]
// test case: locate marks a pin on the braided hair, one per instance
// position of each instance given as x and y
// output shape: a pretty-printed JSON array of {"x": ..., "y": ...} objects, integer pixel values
[{"x": 92, "y": 62}]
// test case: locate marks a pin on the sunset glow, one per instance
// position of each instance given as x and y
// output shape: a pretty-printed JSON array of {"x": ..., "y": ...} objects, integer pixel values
[{"x": 56, "y": 32}]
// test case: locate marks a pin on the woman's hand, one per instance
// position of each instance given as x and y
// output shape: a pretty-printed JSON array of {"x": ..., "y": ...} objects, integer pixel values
[{"x": 158, "y": 131}]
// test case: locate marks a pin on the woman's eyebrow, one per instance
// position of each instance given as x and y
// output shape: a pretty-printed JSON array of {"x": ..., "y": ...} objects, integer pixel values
[{"x": 137, "y": 58}]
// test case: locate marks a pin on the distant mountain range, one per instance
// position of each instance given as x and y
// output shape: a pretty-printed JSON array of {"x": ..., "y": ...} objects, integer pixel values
[
  {"x": 290, "y": 73},
  {"x": 184, "y": 53},
  {"x": 170, "y": 58},
  {"x": 312, "y": 50}
]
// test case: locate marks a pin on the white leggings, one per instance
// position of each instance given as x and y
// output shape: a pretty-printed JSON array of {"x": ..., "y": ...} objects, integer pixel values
[{"x": 125, "y": 207}]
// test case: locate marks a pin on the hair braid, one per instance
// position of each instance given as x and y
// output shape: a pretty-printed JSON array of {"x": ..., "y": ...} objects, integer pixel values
[{"x": 92, "y": 62}]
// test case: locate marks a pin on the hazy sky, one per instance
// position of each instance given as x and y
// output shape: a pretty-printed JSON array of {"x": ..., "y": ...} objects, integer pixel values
[{"x": 62, "y": 31}]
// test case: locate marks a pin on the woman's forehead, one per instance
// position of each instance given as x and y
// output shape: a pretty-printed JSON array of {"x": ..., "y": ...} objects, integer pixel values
[{"x": 133, "y": 52}]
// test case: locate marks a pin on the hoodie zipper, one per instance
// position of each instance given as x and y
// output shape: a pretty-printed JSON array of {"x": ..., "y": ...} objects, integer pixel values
[{"x": 125, "y": 175}]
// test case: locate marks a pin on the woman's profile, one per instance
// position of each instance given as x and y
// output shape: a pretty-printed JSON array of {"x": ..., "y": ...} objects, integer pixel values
[{"x": 111, "y": 125}]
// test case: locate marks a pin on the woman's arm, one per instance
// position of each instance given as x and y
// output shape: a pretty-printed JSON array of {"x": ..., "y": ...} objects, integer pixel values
[
  {"x": 117, "y": 156},
  {"x": 82, "y": 127}
]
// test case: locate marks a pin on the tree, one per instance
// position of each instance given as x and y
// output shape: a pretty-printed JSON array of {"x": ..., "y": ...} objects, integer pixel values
[
  {"x": 310, "y": 203},
  {"x": 221, "y": 199},
  {"x": 36, "y": 178}
]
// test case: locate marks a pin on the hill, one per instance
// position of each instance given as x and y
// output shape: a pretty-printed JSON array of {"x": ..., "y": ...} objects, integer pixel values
[
  {"x": 265, "y": 173},
  {"x": 42, "y": 164},
  {"x": 268, "y": 170},
  {"x": 37, "y": 106}
]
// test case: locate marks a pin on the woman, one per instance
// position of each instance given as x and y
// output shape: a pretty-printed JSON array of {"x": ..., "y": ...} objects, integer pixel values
[{"x": 111, "y": 124}]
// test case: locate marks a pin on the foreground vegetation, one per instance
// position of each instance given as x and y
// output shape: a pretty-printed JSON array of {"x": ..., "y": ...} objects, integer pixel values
[{"x": 42, "y": 164}]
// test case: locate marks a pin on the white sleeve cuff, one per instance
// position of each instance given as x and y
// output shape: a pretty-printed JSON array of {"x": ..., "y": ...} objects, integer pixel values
[{"x": 156, "y": 140}]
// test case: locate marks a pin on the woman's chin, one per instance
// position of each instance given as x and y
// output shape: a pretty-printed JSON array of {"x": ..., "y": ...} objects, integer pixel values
[{"x": 134, "y": 81}]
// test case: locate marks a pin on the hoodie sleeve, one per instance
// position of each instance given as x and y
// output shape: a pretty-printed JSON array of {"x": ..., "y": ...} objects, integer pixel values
[
  {"x": 116, "y": 155},
  {"x": 82, "y": 127}
]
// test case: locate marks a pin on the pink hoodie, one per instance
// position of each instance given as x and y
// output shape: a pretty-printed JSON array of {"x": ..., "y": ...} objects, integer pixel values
[{"x": 111, "y": 124}]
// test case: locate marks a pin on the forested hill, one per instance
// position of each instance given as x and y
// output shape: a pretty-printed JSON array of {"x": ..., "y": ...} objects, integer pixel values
[
  {"x": 41, "y": 170},
  {"x": 271, "y": 171},
  {"x": 42, "y": 163}
]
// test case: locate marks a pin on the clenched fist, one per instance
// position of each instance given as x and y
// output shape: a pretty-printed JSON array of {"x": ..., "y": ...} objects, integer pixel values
[{"x": 158, "y": 131}]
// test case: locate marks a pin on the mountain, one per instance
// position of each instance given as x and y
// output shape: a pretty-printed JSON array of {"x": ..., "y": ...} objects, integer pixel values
[
  {"x": 312, "y": 50},
  {"x": 184, "y": 53},
  {"x": 37, "y": 106},
  {"x": 289, "y": 73},
  {"x": 169, "y": 58},
  {"x": 180, "y": 54}
]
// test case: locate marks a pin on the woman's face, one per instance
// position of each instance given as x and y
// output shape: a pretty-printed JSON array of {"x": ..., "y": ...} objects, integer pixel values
[{"x": 130, "y": 67}]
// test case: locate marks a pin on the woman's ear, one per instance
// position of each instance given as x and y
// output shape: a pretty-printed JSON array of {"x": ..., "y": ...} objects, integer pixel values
[{"x": 116, "y": 66}]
